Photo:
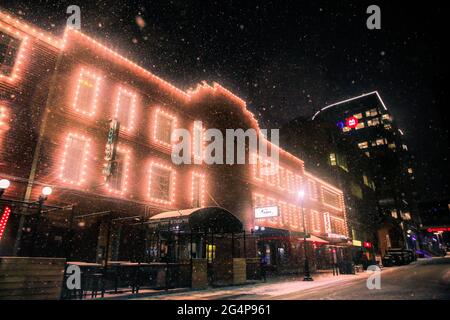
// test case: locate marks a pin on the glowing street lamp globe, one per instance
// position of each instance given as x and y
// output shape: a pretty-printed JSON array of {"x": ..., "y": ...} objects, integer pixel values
[
  {"x": 46, "y": 191},
  {"x": 301, "y": 194},
  {"x": 4, "y": 184}
]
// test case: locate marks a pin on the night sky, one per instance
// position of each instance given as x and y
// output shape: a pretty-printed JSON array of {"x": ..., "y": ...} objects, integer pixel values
[{"x": 288, "y": 58}]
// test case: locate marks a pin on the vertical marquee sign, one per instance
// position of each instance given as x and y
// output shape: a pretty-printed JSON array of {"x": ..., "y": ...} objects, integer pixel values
[
  {"x": 111, "y": 148},
  {"x": 4, "y": 220}
]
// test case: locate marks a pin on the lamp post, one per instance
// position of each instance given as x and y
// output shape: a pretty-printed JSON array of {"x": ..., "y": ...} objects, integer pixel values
[
  {"x": 46, "y": 191},
  {"x": 307, "y": 276},
  {"x": 4, "y": 184}
]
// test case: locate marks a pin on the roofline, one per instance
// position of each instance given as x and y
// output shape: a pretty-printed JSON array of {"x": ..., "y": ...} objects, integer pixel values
[{"x": 351, "y": 99}]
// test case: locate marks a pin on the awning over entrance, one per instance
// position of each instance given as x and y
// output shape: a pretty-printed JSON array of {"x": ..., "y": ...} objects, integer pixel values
[
  {"x": 211, "y": 219},
  {"x": 316, "y": 239}
]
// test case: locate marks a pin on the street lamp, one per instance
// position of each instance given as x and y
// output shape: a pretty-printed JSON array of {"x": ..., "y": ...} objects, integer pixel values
[
  {"x": 45, "y": 192},
  {"x": 307, "y": 276},
  {"x": 4, "y": 184}
]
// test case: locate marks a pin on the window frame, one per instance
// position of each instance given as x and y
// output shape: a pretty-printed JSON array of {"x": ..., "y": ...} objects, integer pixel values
[
  {"x": 172, "y": 183},
  {"x": 93, "y": 104},
  {"x": 122, "y": 91},
  {"x": 83, "y": 161},
  {"x": 173, "y": 125},
  {"x": 19, "y": 58}
]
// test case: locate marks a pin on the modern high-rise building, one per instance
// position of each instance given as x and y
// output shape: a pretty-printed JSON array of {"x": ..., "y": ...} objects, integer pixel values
[
  {"x": 342, "y": 164},
  {"x": 366, "y": 122}
]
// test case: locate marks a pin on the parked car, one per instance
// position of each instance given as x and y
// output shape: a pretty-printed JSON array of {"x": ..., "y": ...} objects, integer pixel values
[{"x": 397, "y": 257}]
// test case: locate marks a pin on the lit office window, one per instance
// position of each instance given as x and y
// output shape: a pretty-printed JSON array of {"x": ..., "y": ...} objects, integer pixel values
[
  {"x": 345, "y": 129},
  {"x": 333, "y": 161},
  {"x": 391, "y": 146},
  {"x": 360, "y": 125},
  {"x": 380, "y": 142},
  {"x": 386, "y": 117},
  {"x": 358, "y": 116},
  {"x": 387, "y": 127},
  {"x": 405, "y": 147},
  {"x": 371, "y": 113},
  {"x": 373, "y": 122},
  {"x": 363, "y": 145},
  {"x": 410, "y": 171}
]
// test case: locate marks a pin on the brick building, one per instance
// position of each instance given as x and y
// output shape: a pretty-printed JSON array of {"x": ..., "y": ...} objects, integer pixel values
[{"x": 67, "y": 103}]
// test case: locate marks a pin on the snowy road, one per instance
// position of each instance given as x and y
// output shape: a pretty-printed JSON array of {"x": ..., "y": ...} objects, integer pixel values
[{"x": 425, "y": 279}]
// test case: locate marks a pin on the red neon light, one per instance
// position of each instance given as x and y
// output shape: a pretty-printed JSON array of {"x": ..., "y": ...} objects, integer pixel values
[
  {"x": 367, "y": 245},
  {"x": 438, "y": 229},
  {"x": 351, "y": 122},
  {"x": 4, "y": 220}
]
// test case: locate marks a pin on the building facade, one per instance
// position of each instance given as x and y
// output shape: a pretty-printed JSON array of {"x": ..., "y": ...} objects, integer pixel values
[
  {"x": 97, "y": 128},
  {"x": 345, "y": 166},
  {"x": 367, "y": 123}
]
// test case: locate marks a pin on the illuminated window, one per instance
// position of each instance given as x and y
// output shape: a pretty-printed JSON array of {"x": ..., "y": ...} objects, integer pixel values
[
  {"x": 358, "y": 116},
  {"x": 291, "y": 182},
  {"x": 9, "y": 48},
  {"x": 394, "y": 214},
  {"x": 125, "y": 109},
  {"x": 165, "y": 123},
  {"x": 12, "y": 49},
  {"x": 118, "y": 181},
  {"x": 371, "y": 113},
  {"x": 405, "y": 147},
  {"x": 333, "y": 161},
  {"x": 337, "y": 226},
  {"x": 73, "y": 168},
  {"x": 380, "y": 142},
  {"x": 313, "y": 194},
  {"x": 210, "y": 252},
  {"x": 3, "y": 121},
  {"x": 161, "y": 187},
  {"x": 198, "y": 190},
  {"x": 316, "y": 221},
  {"x": 391, "y": 146},
  {"x": 363, "y": 145},
  {"x": 367, "y": 153},
  {"x": 373, "y": 122},
  {"x": 330, "y": 199},
  {"x": 386, "y": 117},
  {"x": 406, "y": 216},
  {"x": 356, "y": 190},
  {"x": 342, "y": 162},
  {"x": 86, "y": 94},
  {"x": 345, "y": 129},
  {"x": 360, "y": 125},
  {"x": 387, "y": 127},
  {"x": 410, "y": 170}
]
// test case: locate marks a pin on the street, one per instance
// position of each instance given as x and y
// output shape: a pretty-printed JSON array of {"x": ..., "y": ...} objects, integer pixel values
[{"x": 424, "y": 279}]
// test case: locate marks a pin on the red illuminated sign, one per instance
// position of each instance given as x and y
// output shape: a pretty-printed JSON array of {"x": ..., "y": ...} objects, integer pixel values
[
  {"x": 4, "y": 220},
  {"x": 367, "y": 244},
  {"x": 438, "y": 229},
  {"x": 351, "y": 122}
]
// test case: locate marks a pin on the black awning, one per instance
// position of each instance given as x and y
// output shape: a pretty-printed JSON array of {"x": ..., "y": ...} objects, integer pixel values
[{"x": 210, "y": 219}]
